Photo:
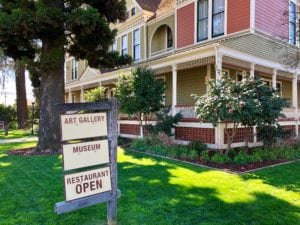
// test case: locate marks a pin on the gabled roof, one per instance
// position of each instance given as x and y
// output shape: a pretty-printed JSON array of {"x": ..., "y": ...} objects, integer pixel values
[{"x": 156, "y": 5}]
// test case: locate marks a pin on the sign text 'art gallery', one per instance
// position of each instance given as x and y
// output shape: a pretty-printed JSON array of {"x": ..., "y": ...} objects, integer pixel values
[{"x": 83, "y": 125}]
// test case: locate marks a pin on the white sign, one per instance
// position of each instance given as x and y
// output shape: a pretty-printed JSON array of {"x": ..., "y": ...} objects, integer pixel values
[
  {"x": 85, "y": 154},
  {"x": 87, "y": 125},
  {"x": 87, "y": 183}
]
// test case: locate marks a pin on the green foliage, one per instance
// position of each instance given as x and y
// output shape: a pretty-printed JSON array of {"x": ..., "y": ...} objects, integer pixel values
[
  {"x": 249, "y": 102},
  {"x": 165, "y": 122},
  {"x": 272, "y": 135},
  {"x": 140, "y": 92},
  {"x": 241, "y": 158},
  {"x": 8, "y": 114},
  {"x": 220, "y": 158},
  {"x": 96, "y": 95},
  {"x": 205, "y": 155},
  {"x": 198, "y": 146}
]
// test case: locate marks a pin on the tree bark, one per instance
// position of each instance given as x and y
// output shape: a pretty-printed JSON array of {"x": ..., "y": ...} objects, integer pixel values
[
  {"x": 52, "y": 93},
  {"x": 22, "y": 110}
]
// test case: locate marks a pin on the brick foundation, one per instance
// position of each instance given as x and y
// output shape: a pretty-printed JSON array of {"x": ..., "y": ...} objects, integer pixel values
[
  {"x": 131, "y": 129},
  {"x": 240, "y": 135},
  {"x": 206, "y": 135}
]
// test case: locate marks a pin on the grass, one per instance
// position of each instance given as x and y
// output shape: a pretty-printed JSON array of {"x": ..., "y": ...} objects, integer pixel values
[
  {"x": 13, "y": 134},
  {"x": 154, "y": 191}
]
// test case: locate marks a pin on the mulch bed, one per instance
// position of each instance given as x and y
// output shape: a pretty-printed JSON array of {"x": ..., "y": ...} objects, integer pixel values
[
  {"x": 30, "y": 152},
  {"x": 242, "y": 168}
]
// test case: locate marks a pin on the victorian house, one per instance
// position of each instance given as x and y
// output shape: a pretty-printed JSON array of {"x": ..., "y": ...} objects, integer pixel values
[{"x": 187, "y": 42}]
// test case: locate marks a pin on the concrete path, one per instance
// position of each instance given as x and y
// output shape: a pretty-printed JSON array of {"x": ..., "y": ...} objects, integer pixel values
[{"x": 26, "y": 139}]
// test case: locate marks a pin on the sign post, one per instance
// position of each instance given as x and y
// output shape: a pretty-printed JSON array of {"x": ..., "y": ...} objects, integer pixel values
[{"x": 94, "y": 144}]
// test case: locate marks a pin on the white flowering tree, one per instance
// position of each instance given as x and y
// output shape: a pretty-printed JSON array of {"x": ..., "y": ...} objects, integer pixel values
[{"x": 249, "y": 103}]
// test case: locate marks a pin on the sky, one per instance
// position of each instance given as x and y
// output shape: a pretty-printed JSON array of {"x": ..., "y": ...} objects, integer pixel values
[{"x": 10, "y": 91}]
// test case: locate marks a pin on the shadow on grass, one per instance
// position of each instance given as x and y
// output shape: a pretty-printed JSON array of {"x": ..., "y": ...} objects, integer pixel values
[{"x": 154, "y": 191}]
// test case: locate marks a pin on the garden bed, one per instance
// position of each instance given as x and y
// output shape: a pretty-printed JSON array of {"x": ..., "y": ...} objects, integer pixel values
[
  {"x": 236, "y": 161},
  {"x": 30, "y": 152}
]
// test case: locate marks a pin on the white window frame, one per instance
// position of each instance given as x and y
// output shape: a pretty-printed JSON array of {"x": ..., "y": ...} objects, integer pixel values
[
  {"x": 210, "y": 22},
  {"x": 124, "y": 51},
  {"x": 74, "y": 69},
  {"x": 134, "y": 45}
]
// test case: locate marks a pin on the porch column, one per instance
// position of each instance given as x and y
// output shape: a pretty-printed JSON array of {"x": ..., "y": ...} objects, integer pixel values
[
  {"x": 295, "y": 100},
  {"x": 274, "y": 79},
  {"x": 252, "y": 70},
  {"x": 69, "y": 96},
  {"x": 174, "y": 89},
  {"x": 219, "y": 58},
  {"x": 81, "y": 94}
]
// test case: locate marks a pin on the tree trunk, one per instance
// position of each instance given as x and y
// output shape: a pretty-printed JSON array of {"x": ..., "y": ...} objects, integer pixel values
[
  {"x": 52, "y": 93},
  {"x": 22, "y": 110},
  {"x": 5, "y": 129}
]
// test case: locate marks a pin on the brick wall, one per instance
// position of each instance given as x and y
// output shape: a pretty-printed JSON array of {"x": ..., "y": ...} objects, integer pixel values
[
  {"x": 240, "y": 135},
  {"x": 206, "y": 135},
  {"x": 131, "y": 129}
]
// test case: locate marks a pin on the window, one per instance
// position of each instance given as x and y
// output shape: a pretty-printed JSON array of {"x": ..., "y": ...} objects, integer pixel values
[
  {"x": 136, "y": 44},
  {"x": 133, "y": 12},
  {"x": 124, "y": 45},
  {"x": 240, "y": 75},
  {"x": 292, "y": 23},
  {"x": 73, "y": 98},
  {"x": 114, "y": 46},
  {"x": 169, "y": 38},
  {"x": 74, "y": 69},
  {"x": 218, "y": 17},
  {"x": 269, "y": 84},
  {"x": 202, "y": 30}
]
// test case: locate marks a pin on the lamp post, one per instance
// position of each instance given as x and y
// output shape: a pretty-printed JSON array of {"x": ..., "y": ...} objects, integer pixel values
[{"x": 32, "y": 118}]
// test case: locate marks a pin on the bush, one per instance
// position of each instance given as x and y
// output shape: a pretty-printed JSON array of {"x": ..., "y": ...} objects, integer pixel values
[
  {"x": 198, "y": 146},
  {"x": 272, "y": 136},
  {"x": 220, "y": 158},
  {"x": 205, "y": 155},
  {"x": 138, "y": 145},
  {"x": 241, "y": 158}
]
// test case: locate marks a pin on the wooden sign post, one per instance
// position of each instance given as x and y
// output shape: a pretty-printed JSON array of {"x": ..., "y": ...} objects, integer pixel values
[{"x": 87, "y": 187}]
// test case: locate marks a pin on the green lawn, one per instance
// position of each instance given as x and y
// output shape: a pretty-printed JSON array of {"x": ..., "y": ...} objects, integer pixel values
[
  {"x": 12, "y": 134},
  {"x": 154, "y": 192}
]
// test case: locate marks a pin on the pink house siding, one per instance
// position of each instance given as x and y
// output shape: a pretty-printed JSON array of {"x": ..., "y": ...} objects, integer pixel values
[
  {"x": 185, "y": 25},
  {"x": 238, "y": 15},
  {"x": 271, "y": 17}
]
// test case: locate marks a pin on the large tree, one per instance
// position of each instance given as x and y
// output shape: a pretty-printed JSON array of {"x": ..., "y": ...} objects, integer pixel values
[{"x": 50, "y": 29}]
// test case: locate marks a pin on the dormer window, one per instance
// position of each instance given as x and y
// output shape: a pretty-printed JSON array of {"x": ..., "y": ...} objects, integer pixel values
[{"x": 133, "y": 11}]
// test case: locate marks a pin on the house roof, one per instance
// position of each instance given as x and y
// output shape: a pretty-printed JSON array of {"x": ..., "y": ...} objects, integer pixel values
[{"x": 156, "y": 6}]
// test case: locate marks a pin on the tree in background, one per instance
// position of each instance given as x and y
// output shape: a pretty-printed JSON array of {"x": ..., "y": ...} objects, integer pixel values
[
  {"x": 247, "y": 103},
  {"x": 42, "y": 31},
  {"x": 96, "y": 95},
  {"x": 140, "y": 94},
  {"x": 8, "y": 114}
]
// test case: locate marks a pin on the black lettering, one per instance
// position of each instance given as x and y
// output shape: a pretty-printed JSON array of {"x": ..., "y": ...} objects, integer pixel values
[{"x": 78, "y": 189}]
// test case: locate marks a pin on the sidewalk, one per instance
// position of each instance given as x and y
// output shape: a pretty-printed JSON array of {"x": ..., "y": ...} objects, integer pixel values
[{"x": 26, "y": 139}]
